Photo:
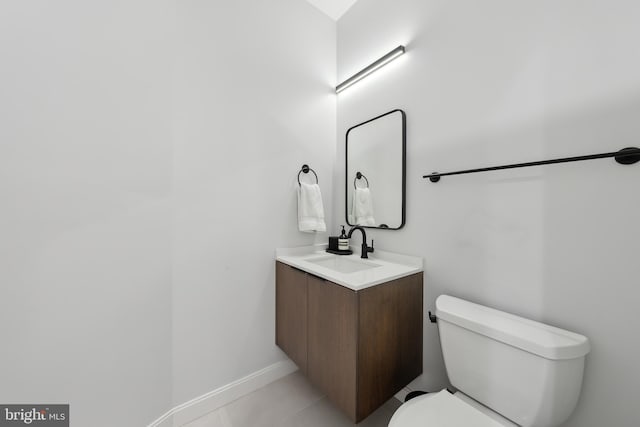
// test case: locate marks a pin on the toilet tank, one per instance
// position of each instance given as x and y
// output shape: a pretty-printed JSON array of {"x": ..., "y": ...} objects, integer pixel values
[{"x": 528, "y": 372}]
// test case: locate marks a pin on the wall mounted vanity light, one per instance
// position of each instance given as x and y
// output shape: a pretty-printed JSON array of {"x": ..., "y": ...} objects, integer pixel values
[{"x": 370, "y": 68}]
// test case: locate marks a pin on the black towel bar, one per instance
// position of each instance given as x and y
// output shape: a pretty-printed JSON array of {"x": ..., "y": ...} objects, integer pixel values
[{"x": 626, "y": 156}]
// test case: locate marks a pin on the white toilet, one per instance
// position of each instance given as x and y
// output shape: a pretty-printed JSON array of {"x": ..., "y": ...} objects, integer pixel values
[{"x": 509, "y": 371}]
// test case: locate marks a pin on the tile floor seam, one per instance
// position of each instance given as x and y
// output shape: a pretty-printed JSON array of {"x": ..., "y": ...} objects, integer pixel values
[
  {"x": 224, "y": 417},
  {"x": 303, "y": 408}
]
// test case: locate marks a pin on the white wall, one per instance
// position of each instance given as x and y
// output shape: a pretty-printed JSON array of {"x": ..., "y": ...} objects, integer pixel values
[
  {"x": 254, "y": 101},
  {"x": 495, "y": 82},
  {"x": 85, "y": 148},
  {"x": 148, "y": 161}
]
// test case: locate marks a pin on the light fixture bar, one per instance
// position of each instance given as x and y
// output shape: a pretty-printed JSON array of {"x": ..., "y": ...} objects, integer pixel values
[{"x": 370, "y": 68}]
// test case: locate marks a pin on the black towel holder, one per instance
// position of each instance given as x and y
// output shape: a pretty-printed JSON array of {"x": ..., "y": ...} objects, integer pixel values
[
  {"x": 360, "y": 176},
  {"x": 625, "y": 156},
  {"x": 306, "y": 169}
]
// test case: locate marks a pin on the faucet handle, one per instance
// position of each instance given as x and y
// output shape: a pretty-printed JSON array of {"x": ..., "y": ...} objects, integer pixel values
[{"x": 370, "y": 248}]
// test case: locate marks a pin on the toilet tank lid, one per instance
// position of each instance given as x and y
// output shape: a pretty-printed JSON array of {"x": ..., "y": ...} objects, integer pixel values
[{"x": 535, "y": 337}]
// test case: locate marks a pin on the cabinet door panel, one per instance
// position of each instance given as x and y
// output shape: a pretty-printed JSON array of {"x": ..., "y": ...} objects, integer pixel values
[
  {"x": 291, "y": 313},
  {"x": 332, "y": 342},
  {"x": 390, "y": 340}
]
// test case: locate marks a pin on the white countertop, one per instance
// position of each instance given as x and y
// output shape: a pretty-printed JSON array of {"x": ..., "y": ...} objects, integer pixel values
[{"x": 388, "y": 265}]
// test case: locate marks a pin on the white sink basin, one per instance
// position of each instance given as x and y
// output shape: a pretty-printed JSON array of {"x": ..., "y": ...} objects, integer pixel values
[
  {"x": 350, "y": 271},
  {"x": 343, "y": 265}
]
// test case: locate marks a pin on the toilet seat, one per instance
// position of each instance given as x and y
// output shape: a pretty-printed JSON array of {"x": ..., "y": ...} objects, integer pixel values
[{"x": 441, "y": 409}]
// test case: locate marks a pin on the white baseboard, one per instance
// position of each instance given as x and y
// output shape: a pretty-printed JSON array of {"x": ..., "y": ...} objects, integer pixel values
[
  {"x": 164, "y": 421},
  {"x": 208, "y": 402}
]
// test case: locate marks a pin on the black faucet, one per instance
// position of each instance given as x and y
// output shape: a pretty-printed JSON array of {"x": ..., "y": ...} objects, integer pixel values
[{"x": 365, "y": 249}]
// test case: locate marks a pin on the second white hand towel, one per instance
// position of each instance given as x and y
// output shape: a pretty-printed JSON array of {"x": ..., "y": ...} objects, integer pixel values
[
  {"x": 310, "y": 208},
  {"x": 363, "y": 207}
]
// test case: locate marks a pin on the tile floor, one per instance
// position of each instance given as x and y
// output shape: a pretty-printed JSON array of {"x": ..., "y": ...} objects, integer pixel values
[{"x": 289, "y": 402}]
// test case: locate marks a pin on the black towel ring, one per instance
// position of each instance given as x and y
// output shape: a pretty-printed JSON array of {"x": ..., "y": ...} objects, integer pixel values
[
  {"x": 360, "y": 176},
  {"x": 306, "y": 169}
]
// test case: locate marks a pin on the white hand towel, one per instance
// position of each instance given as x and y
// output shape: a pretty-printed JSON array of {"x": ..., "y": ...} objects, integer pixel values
[
  {"x": 310, "y": 208},
  {"x": 362, "y": 211}
]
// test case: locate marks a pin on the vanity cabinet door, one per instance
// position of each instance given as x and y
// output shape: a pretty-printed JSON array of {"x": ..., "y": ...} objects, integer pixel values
[
  {"x": 333, "y": 338},
  {"x": 389, "y": 340},
  {"x": 358, "y": 347},
  {"x": 291, "y": 313}
]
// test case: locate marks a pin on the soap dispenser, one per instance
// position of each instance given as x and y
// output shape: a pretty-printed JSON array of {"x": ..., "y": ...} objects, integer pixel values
[{"x": 343, "y": 241}]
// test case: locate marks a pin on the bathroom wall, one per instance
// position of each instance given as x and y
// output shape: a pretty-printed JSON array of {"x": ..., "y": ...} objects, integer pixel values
[
  {"x": 254, "y": 101},
  {"x": 85, "y": 176},
  {"x": 148, "y": 161},
  {"x": 496, "y": 82}
]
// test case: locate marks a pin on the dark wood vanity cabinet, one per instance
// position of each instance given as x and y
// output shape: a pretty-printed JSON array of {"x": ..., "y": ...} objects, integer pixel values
[
  {"x": 358, "y": 347},
  {"x": 332, "y": 340},
  {"x": 291, "y": 313}
]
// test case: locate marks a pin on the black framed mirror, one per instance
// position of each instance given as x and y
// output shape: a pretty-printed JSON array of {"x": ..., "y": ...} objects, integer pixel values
[{"x": 375, "y": 169}]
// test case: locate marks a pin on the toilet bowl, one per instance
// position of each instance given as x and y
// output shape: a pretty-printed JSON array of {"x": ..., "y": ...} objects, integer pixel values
[
  {"x": 510, "y": 371},
  {"x": 444, "y": 409}
]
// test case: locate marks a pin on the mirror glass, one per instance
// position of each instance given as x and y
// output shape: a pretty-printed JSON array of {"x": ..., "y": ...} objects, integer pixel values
[{"x": 375, "y": 169}]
